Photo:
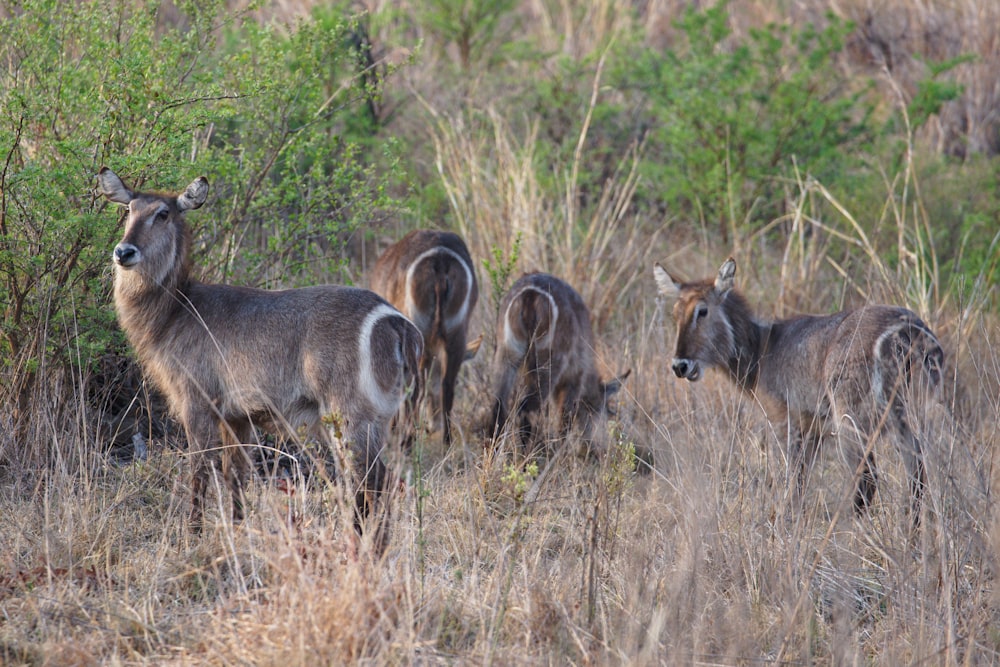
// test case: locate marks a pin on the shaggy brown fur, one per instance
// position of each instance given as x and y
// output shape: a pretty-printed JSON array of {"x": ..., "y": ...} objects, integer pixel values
[
  {"x": 545, "y": 347},
  {"x": 228, "y": 358},
  {"x": 850, "y": 373}
]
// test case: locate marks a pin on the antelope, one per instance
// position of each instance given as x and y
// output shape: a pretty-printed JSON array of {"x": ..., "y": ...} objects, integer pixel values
[
  {"x": 851, "y": 374},
  {"x": 228, "y": 358},
  {"x": 545, "y": 348},
  {"x": 428, "y": 275}
]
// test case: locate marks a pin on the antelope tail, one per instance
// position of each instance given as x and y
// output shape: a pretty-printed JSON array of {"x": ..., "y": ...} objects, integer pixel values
[{"x": 437, "y": 326}]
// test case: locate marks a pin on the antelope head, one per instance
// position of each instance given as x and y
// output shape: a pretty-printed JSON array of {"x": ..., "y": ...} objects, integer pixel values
[
  {"x": 704, "y": 332},
  {"x": 154, "y": 230}
]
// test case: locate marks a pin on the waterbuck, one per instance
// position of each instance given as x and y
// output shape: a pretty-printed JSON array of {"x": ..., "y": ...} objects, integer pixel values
[
  {"x": 545, "y": 348},
  {"x": 228, "y": 358},
  {"x": 852, "y": 374},
  {"x": 429, "y": 276}
]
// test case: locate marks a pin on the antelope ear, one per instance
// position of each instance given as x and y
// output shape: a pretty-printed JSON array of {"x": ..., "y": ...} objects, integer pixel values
[
  {"x": 612, "y": 386},
  {"x": 472, "y": 348},
  {"x": 112, "y": 187},
  {"x": 665, "y": 284},
  {"x": 727, "y": 273},
  {"x": 194, "y": 195}
]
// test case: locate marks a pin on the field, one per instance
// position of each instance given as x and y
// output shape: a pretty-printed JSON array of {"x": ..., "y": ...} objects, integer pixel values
[{"x": 684, "y": 543}]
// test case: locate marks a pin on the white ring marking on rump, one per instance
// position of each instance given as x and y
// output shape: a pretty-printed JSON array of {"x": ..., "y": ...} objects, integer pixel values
[
  {"x": 463, "y": 312},
  {"x": 521, "y": 346},
  {"x": 386, "y": 403}
]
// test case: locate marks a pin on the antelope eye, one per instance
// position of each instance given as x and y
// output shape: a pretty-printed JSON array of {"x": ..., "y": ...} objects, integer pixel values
[
  {"x": 701, "y": 312},
  {"x": 161, "y": 215}
]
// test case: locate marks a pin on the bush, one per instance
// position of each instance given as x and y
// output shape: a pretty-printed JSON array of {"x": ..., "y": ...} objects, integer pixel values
[{"x": 725, "y": 120}]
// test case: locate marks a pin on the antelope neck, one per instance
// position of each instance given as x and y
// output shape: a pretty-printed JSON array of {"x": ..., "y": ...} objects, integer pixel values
[
  {"x": 750, "y": 342},
  {"x": 148, "y": 307}
]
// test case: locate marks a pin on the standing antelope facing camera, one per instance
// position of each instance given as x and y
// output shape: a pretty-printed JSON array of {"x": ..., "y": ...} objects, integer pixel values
[
  {"x": 429, "y": 276},
  {"x": 545, "y": 347},
  {"x": 230, "y": 357},
  {"x": 854, "y": 372}
]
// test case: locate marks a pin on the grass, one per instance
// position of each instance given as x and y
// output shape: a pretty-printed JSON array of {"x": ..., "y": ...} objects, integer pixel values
[{"x": 705, "y": 559}]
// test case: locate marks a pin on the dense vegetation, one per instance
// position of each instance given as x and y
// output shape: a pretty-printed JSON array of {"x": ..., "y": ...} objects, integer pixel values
[{"x": 839, "y": 155}]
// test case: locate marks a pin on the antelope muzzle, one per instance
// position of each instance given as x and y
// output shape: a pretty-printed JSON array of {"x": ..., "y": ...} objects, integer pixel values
[
  {"x": 126, "y": 255},
  {"x": 687, "y": 369}
]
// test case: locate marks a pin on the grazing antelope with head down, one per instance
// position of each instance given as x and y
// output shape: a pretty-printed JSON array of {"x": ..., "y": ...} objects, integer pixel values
[
  {"x": 854, "y": 371},
  {"x": 230, "y": 357},
  {"x": 429, "y": 276},
  {"x": 545, "y": 347}
]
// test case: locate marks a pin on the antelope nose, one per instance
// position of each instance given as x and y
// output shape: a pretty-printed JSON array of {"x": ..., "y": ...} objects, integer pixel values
[
  {"x": 126, "y": 254},
  {"x": 681, "y": 367}
]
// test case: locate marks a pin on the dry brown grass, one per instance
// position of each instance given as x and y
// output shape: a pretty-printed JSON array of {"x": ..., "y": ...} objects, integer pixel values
[{"x": 703, "y": 560}]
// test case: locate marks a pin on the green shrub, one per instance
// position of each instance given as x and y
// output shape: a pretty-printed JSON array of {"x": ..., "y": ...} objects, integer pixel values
[
  {"x": 477, "y": 28},
  {"x": 726, "y": 119}
]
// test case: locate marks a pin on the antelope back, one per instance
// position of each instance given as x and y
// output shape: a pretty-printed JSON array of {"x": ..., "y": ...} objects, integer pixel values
[
  {"x": 429, "y": 276},
  {"x": 881, "y": 352}
]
